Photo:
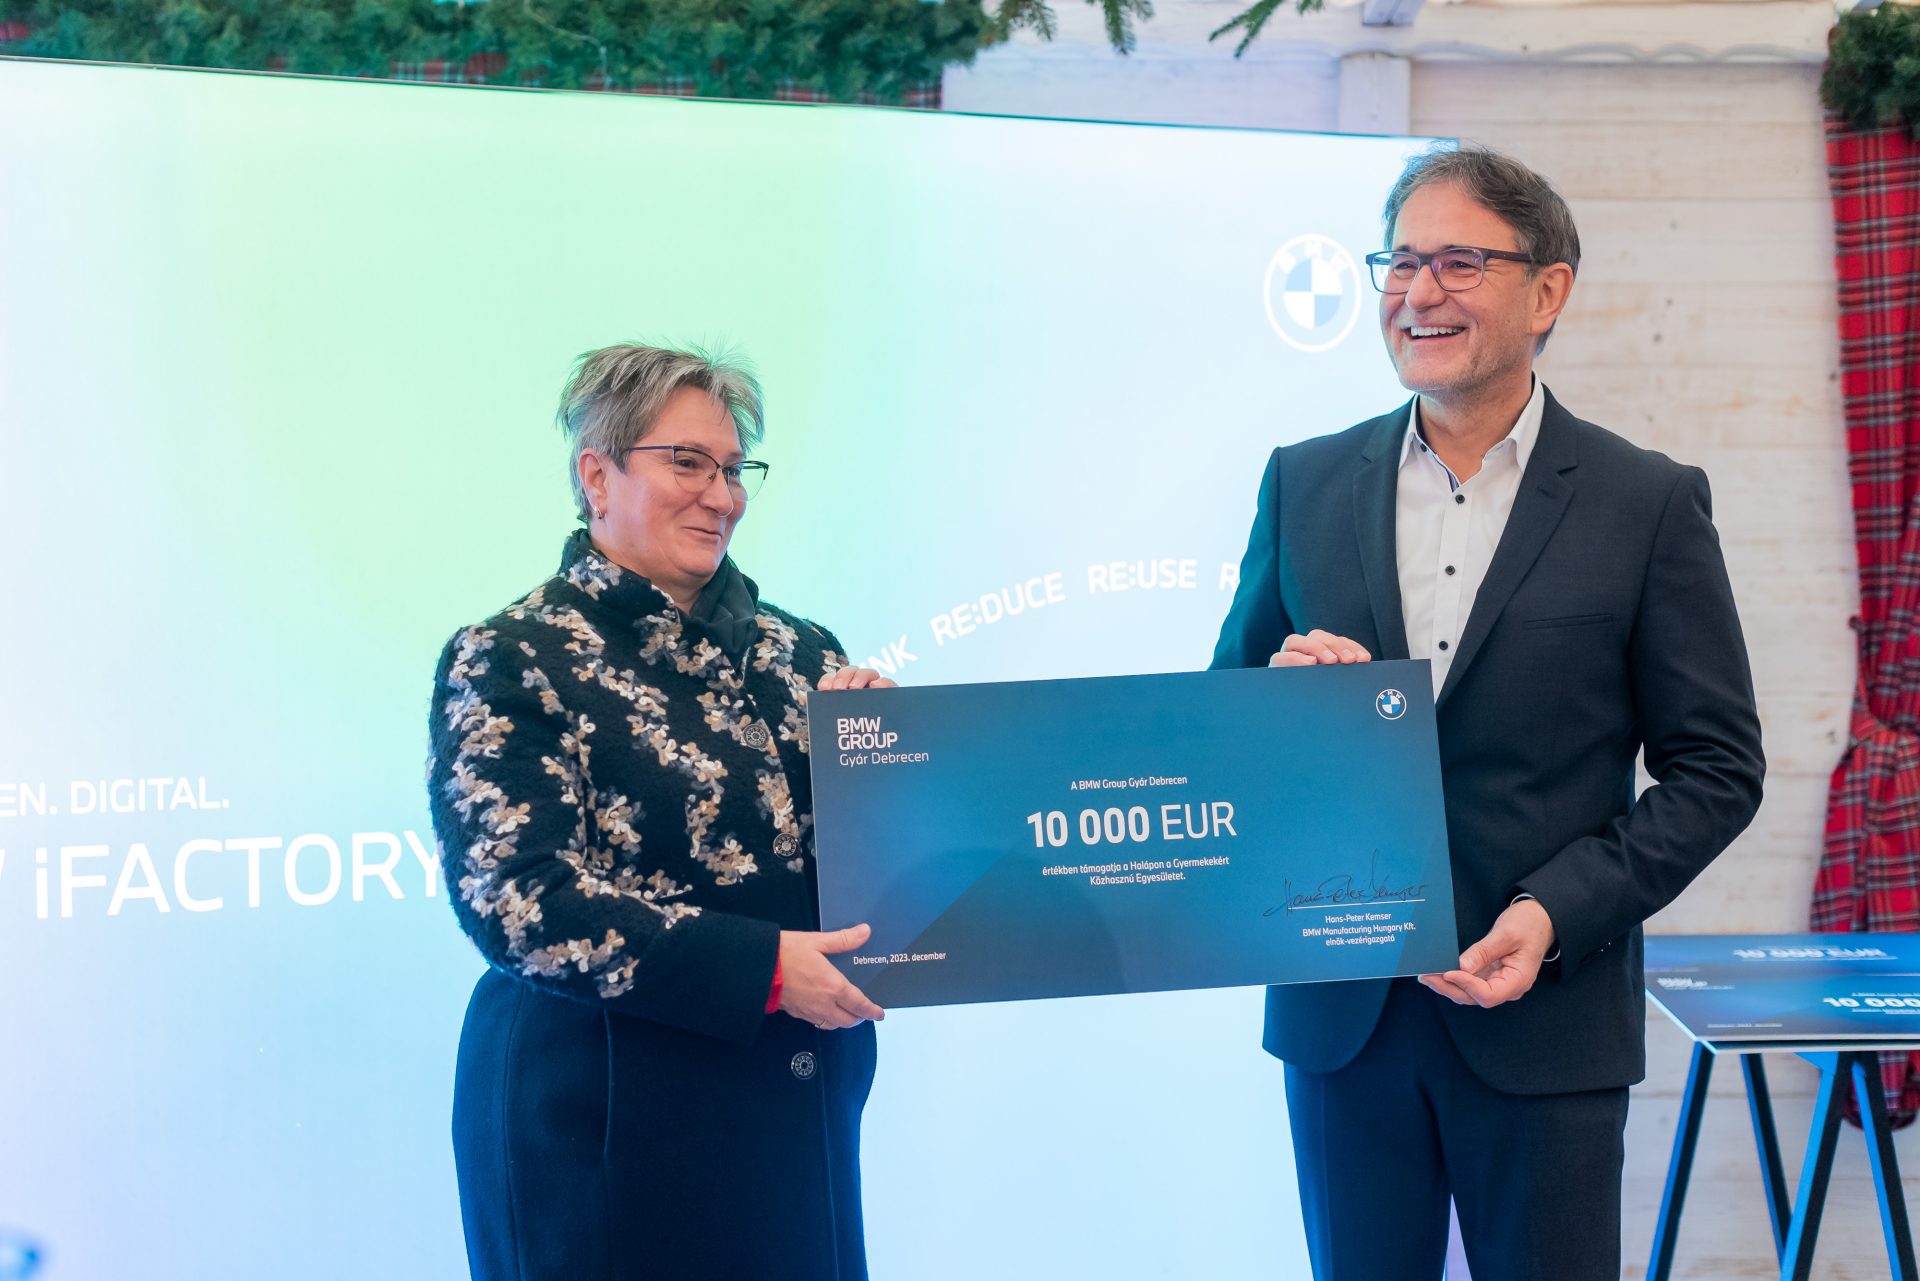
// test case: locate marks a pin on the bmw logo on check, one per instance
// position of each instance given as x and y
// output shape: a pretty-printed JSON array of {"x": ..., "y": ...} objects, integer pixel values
[{"x": 1390, "y": 703}]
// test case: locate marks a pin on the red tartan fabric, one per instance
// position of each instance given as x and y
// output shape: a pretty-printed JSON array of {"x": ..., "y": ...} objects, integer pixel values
[
  {"x": 668, "y": 87},
  {"x": 480, "y": 69},
  {"x": 925, "y": 94},
  {"x": 789, "y": 91},
  {"x": 1869, "y": 876}
]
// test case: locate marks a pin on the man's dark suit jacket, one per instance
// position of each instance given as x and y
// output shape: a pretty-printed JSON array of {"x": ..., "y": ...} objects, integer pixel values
[{"x": 1605, "y": 624}]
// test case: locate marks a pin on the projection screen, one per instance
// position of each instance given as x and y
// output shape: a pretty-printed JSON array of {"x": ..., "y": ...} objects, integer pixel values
[{"x": 278, "y": 364}]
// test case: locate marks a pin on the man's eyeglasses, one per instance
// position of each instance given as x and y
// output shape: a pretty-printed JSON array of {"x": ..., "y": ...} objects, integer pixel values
[
  {"x": 1455, "y": 268},
  {"x": 695, "y": 468}
]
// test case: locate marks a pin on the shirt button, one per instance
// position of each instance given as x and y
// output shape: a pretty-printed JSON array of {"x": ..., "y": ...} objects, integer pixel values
[
  {"x": 1449, "y": 569},
  {"x": 1443, "y": 645},
  {"x": 754, "y": 735},
  {"x": 1459, "y": 498}
]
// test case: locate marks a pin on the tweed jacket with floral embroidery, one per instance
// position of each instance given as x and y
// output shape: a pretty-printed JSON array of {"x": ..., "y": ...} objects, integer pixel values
[{"x": 624, "y": 810}]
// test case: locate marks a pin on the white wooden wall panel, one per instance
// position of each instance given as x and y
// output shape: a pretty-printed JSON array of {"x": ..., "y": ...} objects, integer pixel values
[
  {"x": 1652, "y": 160},
  {"x": 1632, "y": 93},
  {"x": 1676, "y": 242},
  {"x": 1777, "y": 407},
  {"x": 1204, "y": 87}
]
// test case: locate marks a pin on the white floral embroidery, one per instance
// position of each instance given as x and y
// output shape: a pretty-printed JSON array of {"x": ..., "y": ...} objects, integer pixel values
[
  {"x": 511, "y": 881},
  {"x": 616, "y": 823},
  {"x": 793, "y": 727},
  {"x": 594, "y": 575},
  {"x": 777, "y": 640}
]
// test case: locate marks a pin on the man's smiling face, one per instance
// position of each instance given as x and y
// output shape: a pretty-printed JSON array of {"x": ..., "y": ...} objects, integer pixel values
[{"x": 1458, "y": 346}]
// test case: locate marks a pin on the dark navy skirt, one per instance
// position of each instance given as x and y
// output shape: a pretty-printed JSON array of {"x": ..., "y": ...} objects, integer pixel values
[{"x": 590, "y": 1144}]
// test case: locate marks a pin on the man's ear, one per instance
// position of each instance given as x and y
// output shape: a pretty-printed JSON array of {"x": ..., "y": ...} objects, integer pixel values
[{"x": 1552, "y": 286}]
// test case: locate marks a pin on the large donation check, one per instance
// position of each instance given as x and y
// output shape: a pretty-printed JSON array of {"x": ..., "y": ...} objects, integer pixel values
[{"x": 1133, "y": 833}]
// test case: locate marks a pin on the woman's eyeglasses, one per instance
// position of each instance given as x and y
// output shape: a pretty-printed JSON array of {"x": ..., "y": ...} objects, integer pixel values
[{"x": 695, "y": 468}]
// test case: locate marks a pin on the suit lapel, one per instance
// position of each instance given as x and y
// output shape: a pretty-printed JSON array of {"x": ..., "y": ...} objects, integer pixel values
[
  {"x": 1375, "y": 486},
  {"x": 1537, "y": 508}
]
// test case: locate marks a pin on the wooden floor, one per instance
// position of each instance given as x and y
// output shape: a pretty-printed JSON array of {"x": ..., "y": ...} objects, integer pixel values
[{"x": 1724, "y": 1233}]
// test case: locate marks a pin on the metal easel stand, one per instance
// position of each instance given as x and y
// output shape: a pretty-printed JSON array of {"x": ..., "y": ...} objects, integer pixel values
[{"x": 1797, "y": 1223}]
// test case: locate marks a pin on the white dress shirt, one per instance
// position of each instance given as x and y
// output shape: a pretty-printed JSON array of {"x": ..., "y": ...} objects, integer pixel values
[{"x": 1446, "y": 530}]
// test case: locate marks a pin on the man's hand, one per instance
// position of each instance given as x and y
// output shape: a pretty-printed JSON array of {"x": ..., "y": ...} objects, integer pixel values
[
  {"x": 1502, "y": 966},
  {"x": 811, "y": 989},
  {"x": 1318, "y": 647},
  {"x": 856, "y": 678}
]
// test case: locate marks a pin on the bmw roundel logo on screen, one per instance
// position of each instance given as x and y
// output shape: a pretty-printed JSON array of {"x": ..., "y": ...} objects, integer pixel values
[
  {"x": 1390, "y": 703},
  {"x": 1313, "y": 293}
]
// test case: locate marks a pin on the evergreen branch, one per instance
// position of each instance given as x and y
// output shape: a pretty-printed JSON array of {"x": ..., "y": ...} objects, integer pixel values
[
  {"x": 1037, "y": 16},
  {"x": 1032, "y": 15},
  {"x": 1252, "y": 21},
  {"x": 557, "y": 29},
  {"x": 1120, "y": 16},
  {"x": 1872, "y": 79}
]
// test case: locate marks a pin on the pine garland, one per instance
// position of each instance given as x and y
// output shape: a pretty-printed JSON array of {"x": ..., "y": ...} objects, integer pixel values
[
  {"x": 1872, "y": 78},
  {"x": 841, "y": 50},
  {"x": 888, "y": 51}
]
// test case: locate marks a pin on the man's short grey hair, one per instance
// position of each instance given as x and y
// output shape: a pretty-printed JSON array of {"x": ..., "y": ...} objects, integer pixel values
[
  {"x": 1522, "y": 199},
  {"x": 615, "y": 395}
]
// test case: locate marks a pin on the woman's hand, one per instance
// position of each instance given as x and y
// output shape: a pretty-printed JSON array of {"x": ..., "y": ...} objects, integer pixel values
[
  {"x": 810, "y": 988},
  {"x": 856, "y": 678}
]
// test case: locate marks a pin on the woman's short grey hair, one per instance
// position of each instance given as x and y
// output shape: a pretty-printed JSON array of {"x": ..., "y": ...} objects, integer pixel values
[
  {"x": 615, "y": 395},
  {"x": 1522, "y": 198}
]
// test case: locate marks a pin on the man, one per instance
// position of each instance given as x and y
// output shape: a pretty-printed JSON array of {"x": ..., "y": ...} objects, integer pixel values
[{"x": 1569, "y": 590}]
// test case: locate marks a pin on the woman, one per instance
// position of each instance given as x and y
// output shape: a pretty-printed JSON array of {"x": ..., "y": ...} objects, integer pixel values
[{"x": 661, "y": 1074}]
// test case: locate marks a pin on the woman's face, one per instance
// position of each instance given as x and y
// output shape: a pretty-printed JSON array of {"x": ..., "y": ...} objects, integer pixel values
[{"x": 652, "y": 524}]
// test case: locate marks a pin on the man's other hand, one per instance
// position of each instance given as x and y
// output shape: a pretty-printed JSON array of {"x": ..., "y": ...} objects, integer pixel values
[
  {"x": 1502, "y": 966},
  {"x": 1318, "y": 647}
]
